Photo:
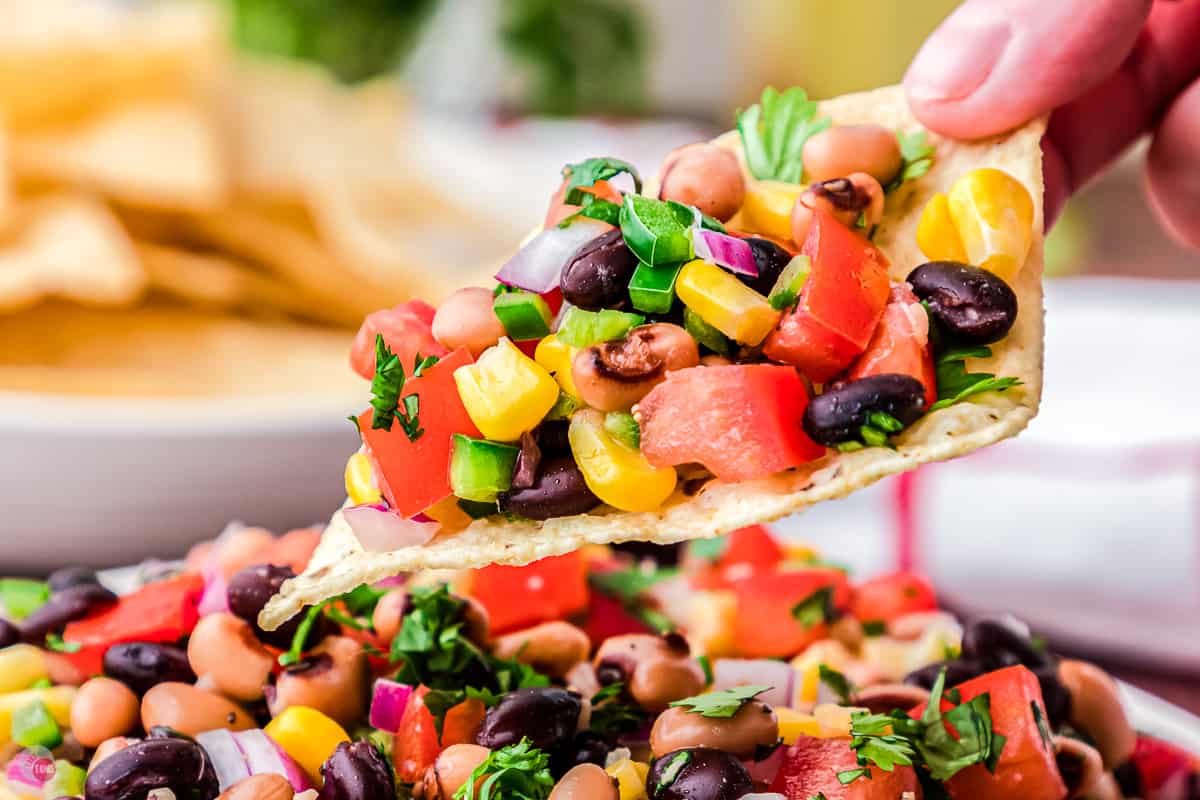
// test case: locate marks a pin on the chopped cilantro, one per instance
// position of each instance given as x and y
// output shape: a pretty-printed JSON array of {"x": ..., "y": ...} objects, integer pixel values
[
  {"x": 917, "y": 158},
  {"x": 723, "y": 704},
  {"x": 955, "y": 384},
  {"x": 874, "y": 627},
  {"x": 296, "y": 651},
  {"x": 594, "y": 207},
  {"x": 670, "y": 772},
  {"x": 848, "y": 776},
  {"x": 517, "y": 772},
  {"x": 610, "y": 716},
  {"x": 628, "y": 586},
  {"x": 837, "y": 682},
  {"x": 56, "y": 643},
  {"x": 774, "y": 131},
  {"x": 706, "y": 665},
  {"x": 387, "y": 387},
  {"x": 815, "y": 609},
  {"x": 873, "y": 437},
  {"x": 589, "y": 171}
]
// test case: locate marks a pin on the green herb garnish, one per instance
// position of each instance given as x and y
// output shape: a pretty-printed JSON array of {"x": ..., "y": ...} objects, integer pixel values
[
  {"x": 706, "y": 665},
  {"x": 720, "y": 705},
  {"x": 816, "y": 609},
  {"x": 874, "y": 627},
  {"x": 774, "y": 131},
  {"x": 594, "y": 207},
  {"x": 627, "y": 587},
  {"x": 589, "y": 171},
  {"x": 917, "y": 155},
  {"x": 837, "y": 682},
  {"x": 388, "y": 385},
  {"x": 296, "y": 652},
  {"x": 610, "y": 716},
  {"x": 517, "y": 772},
  {"x": 58, "y": 644},
  {"x": 955, "y": 384}
]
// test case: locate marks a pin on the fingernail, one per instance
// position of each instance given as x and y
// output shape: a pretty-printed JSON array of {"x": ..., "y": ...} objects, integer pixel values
[{"x": 957, "y": 59}]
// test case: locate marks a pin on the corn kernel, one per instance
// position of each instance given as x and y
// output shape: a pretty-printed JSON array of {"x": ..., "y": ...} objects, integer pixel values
[
  {"x": 793, "y": 724},
  {"x": 631, "y": 781},
  {"x": 21, "y": 666},
  {"x": 768, "y": 207},
  {"x": 505, "y": 392},
  {"x": 834, "y": 719},
  {"x": 308, "y": 736},
  {"x": 711, "y": 618},
  {"x": 726, "y": 303},
  {"x": 617, "y": 474},
  {"x": 360, "y": 480},
  {"x": 993, "y": 213},
  {"x": 58, "y": 700},
  {"x": 937, "y": 235},
  {"x": 557, "y": 357}
]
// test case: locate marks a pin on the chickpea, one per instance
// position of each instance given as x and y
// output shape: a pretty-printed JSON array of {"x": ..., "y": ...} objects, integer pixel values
[
  {"x": 844, "y": 149},
  {"x": 389, "y": 614},
  {"x": 552, "y": 648},
  {"x": 754, "y": 726},
  {"x": 585, "y": 782},
  {"x": 107, "y": 748},
  {"x": 260, "y": 787},
  {"x": 613, "y": 376},
  {"x": 103, "y": 709},
  {"x": 706, "y": 176},
  {"x": 450, "y": 771},
  {"x": 845, "y": 199},
  {"x": 238, "y": 548},
  {"x": 190, "y": 710},
  {"x": 1096, "y": 710},
  {"x": 1086, "y": 766},
  {"x": 224, "y": 650},
  {"x": 334, "y": 680},
  {"x": 655, "y": 669},
  {"x": 465, "y": 319}
]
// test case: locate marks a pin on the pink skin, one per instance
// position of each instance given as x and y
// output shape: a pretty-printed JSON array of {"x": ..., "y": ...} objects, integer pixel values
[{"x": 1107, "y": 72}]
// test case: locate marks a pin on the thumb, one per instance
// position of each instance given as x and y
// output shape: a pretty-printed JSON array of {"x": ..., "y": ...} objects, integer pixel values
[{"x": 996, "y": 64}]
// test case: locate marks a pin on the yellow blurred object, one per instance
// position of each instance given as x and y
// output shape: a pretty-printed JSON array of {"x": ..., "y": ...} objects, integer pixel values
[
  {"x": 58, "y": 700},
  {"x": 360, "y": 480},
  {"x": 557, "y": 356},
  {"x": 711, "y": 617},
  {"x": 993, "y": 212},
  {"x": 308, "y": 736},
  {"x": 800, "y": 553},
  {"x": 768, "y": 207},
  {"x": 793, "y": 724},
  {"x": 834, "y": 719},
  {"x": 726, "y": 303},
  {"x": 937, "y": 235},
  {"x": 631, "y": 778},
  {"x": 21, "y": 666},
  {"x": 505, "y": 392},
  {"x": 618, "y": 475}
]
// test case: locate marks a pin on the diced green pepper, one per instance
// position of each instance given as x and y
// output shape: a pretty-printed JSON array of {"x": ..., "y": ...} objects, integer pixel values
[
  {"x": 656, "y": 230},
  {"x": 790, "y": 283},
  {"x": 478, "y": 510},
  {"x": 524, "y": 315},
  {"x": 704, "y": 333},
  {"x": 564, "y": 407},
  {"x": 652, "y": 289},
  {"x": 480, "y": 470},
  {"x": 67, "y": 781},
  {"x": 581, "y": 328},
  {"x": 20, "y": 597},
  {"x": 622, "y": 426},
  {"x": 34, "y": 726}
]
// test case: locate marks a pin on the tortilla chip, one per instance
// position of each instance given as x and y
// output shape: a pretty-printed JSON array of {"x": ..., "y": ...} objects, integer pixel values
[{"x": 340, "y": 563}]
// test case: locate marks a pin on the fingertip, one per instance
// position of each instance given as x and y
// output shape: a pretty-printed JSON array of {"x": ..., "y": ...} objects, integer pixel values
[{"x": 1172, "y": 175}]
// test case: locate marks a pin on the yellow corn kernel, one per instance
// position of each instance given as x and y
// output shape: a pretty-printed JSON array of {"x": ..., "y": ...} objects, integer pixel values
[
  {"x": 937, "y": 235},
  {"x": 556, "y": 357},
  {"x": 505, "y": 392},
  {"x": 890, "y": 656},
  {"x": 726, "y": 303},
  {"x": 834, "y": 719},
  {"x": 21, "y": 666},
  {"x": 631, "y": 778},
  {"x": 793, "y": 724},
  {"x": 308, "y": 736},
  {"x": 768, "y": 208},
  {"x": 58, "y": 700},
  {"x": 809, "y": 685},
  {"x": 360, "y": 480},
  {"x": 711, "y": 618},
  {"x": 617, "y": 474},
  {"x": 993, "y": 212}
]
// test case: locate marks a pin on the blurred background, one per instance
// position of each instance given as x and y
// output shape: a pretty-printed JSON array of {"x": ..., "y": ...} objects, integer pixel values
[{"x": 199, "y": 202}]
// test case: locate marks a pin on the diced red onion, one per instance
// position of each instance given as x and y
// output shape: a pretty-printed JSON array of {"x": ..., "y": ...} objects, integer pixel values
[
  {"x": 779, "y": 675},
  {"x": 388, "y": 702},
  {"x": 29, "y": 770},
  {"x": 380, "y": 529},
  {"x": 227, "y": 759},
  {"x": 537, "y": 266},
  {"x": 763, "y": 772},
  {"x": 265, "y": 757},
  {"x": 724, "y": 251}
]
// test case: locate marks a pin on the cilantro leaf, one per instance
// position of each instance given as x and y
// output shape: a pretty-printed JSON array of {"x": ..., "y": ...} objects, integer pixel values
[
  {"x": 594, "y": 207},
  {"x": 386, "y": 385},
  {"x": 296, "y": 652},
  {"x": 517, "y": 772},
  {"x": 56, "y": 643},
  {"x": 774, "y": 131},
  {"x": 610, "y": 716},
  {"x": 723, "y": 704},
  {"x": 815, "y": 609},
  {"x": 917, "y": 158},
  {"x": 629, "y": 586},
  {"x": 706, "y": 665},
  {"x": 955, "y": 384},
  {"x": 837, "y": 682},
  {"x": 848, "y": 776},
  {"x": 587, "y": 172}
]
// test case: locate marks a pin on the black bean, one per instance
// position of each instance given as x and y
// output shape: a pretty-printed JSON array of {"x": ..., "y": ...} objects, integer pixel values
[
  {"x": 559, "y": 490},
  {"x": 958, "y": 671},
  {"x": 999, "y": 642},
  {"x": 1054, "y": 694},
  {"x": 67, "y": 577},
  {"x": 546, "y": 716},
  {"x": 72, "y": 603},
  {"x": 969, "y": 304},
  {"x": 552, "y": 437},
  {"x": 839, "y": 414},
  {"x": 132, "y": 773},
  {"x": 610, "y": 672},
  {"x": 698, "y": 773},
  {"x": 586, "y": 748},
  {"x": 597, "y": 275},
  {"x": 357, "y": 772},
  {"x": 141, "y": 665},
  {"x": 770, "y": 259},
  {"x": 250, "y": 589},
  {"x": 10, "y": 634}
]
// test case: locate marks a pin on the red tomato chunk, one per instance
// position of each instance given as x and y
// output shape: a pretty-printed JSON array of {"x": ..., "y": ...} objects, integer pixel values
[
  {"x": 900, "y": 345},
  {"x": 407, "y": 329},
  {"x": 810, "y": 769}
]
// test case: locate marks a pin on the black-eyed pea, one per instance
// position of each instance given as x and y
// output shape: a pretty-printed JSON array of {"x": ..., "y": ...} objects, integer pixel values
[
  {"x": 585, "y": 782},
  {"x": 103, "y": 709},
  {"x": 613, "y": 376},
  {"x": 224, "y": 652},
  {"x": 1097, "y": 711},
  {"x": 260, "y": 787},
  {"x": 107, "y": 748},
  {"x": 389, "y": 614},
  {"x": 843, "y": 149},
  {"x": 190, "y": 710},
  {"x": 466, "y": 319},
  {"x": 334, "y": 679},
  {"x": 451, "y": 770},
  {"x": 552, "y": 648},
  {"x": 706, "y": 176},
  {"x": 656, "y": 670},
  {"x": 855, "y": 200},
  {"x": 754, "y": 726}
]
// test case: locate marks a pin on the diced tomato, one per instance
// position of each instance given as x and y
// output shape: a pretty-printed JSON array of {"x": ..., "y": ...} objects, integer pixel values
[
  {"x": 810, "y": 769},
  {"x": 559, "y": 210},
  {"x": 607, "y": 617},
  {"x": 416, "y": 745},
  {"x": 1027, "y": 768},
  {"x": 1162, "y": 767},
  {"x": 414, "y": 475},
  {"x": 517, "y": 597},
  {"x": 740, "y": 421},
  {"x": 554, "y": 299},
  {"x": 900, "y": 345},
  {"x": 160, "y": 612},
  {"x": 765, "y": 627},
  {"x": 747, "y": 550},
  {"x": 407, "y": 329},
  {"x": 842, "y": 301},
  {"x": 887, "y": 597}
]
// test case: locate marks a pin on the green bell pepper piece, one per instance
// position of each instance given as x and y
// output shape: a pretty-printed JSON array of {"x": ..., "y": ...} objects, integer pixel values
[
  {"x": 581, "y": 328},
  {"x": 524, "y": 315},
  {"x": 479, "y": 469}
]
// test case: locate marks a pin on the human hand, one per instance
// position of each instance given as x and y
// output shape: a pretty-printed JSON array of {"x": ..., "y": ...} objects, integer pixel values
[{"x": 1107, "y": 71}]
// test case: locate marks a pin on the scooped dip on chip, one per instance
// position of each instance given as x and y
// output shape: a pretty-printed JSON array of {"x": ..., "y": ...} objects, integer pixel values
[{"x": 826, "y": 296}]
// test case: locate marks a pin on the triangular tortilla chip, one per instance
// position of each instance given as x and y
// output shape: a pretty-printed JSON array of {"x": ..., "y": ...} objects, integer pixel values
[{"x": 340, "y": 563}]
